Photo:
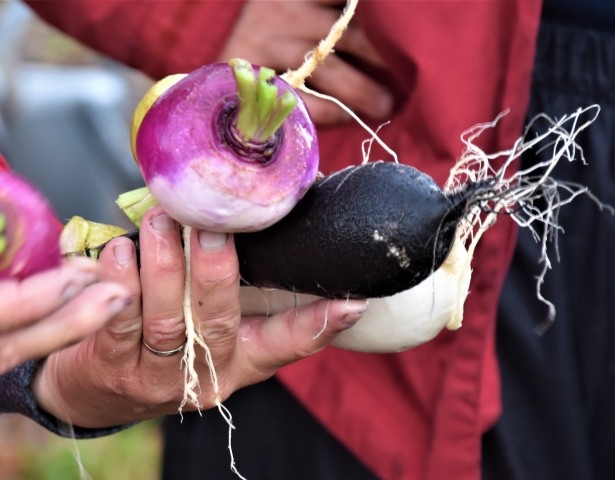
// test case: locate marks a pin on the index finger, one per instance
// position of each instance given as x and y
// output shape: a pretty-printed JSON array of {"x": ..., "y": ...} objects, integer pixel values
[
  {"x": 120, "y": 340},
  {"x": 25, "y": 302}
]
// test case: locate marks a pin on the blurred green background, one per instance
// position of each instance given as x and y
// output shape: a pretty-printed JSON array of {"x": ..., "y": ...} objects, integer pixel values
[
  {"x": 64, "y": 123},
  {"x": 28, "y": 452}
]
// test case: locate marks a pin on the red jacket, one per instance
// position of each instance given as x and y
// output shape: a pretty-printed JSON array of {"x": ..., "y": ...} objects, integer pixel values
[{"x": 417, "y": 415}]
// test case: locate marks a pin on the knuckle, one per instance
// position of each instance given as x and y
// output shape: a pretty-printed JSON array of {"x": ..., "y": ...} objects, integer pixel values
[
  {"x": 119, "y": 331},
  {"x": 221, "y": 327},
  {"x": 224, "y": 282},
  {"x": 159, "y": 390},
  {"x": 118, "y": 384},
  {"x": 162, "y": 333}
]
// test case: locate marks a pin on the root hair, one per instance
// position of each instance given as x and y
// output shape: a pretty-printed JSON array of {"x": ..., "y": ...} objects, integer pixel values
[{"x": 516, "y": 192}]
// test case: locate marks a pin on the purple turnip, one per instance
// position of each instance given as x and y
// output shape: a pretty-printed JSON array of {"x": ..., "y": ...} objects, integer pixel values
[{"x": 29, "y": 229}]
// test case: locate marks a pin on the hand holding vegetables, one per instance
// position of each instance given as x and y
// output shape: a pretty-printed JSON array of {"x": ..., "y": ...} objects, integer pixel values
[
  {"x": 227, "y": 148},
  {"x": 116, "y": 380},
  {"x": 45, "y": 304}
]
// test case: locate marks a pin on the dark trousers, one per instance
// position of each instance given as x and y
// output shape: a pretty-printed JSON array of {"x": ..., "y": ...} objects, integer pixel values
[
  {"x": 275, "y": 439},
  {"x": 558, "y": 420}
]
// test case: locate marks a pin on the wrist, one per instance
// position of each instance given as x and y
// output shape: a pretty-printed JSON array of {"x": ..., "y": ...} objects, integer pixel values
[{"x": 46, "y": 394}]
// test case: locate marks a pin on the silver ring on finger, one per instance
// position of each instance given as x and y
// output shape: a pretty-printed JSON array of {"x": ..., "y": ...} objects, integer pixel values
[{"x": 164, "y": 353}]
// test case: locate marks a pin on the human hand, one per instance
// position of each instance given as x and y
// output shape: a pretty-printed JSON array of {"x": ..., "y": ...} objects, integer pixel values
[
  {"x": 279, "y": 35},
  {"x": 111, "y": 378},
  {"x": 53, "y": 309}
]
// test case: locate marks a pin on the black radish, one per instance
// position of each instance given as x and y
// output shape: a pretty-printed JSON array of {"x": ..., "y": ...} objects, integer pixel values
[{"x": 366, "y": 231}]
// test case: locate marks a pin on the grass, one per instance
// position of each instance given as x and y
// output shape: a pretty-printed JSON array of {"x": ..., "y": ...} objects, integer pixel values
[{"x": 134, "y": 453}]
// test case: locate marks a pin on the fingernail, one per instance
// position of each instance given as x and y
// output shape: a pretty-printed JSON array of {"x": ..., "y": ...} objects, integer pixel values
[
  {"x": 116, "y": 304},
  {"x": 123, "y": 254},
  {"x": 355, "y": 309},
  {"x": 162, "y": 223},
  {"x": 78, "y": 283},
  {"x": 212, "y": 241},
  {"x": 71, "y": 290}
]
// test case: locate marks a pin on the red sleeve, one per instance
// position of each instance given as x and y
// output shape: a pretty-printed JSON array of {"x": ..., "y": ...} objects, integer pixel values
[
  {"x": 158, "y": 38},
  {"x": 4, "y": 165}
]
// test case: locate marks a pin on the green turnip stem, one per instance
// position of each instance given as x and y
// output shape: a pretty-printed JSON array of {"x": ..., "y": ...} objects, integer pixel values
[
  {"x": 3, "y": 239},
  {"x": 276, "y": 117},
  {"x": 265, "y": 93},
  {"x": 135, "y": 203},
  {"x": 261, "y": 110}
]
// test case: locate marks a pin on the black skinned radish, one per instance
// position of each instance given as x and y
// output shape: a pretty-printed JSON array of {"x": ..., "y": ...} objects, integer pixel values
[
  {"x": 431, "y": 256},
  {"x": 366, "y": 231}
]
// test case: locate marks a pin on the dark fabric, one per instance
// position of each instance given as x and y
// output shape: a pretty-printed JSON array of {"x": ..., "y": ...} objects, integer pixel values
[
  {"x": 15, "y": 387},
  {"x": 558, "y": 417},
  {"x": 599, "y": 14},
  {"x": 275, "y": 439}
]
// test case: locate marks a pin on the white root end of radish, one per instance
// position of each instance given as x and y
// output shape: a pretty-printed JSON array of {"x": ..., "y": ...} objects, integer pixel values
[
  {"x": 514, "y": 194},
  {"x": 194, "y": 337}
]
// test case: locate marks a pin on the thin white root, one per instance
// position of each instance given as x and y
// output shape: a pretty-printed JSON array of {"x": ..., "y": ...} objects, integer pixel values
[
  {"x": 324, "y": 323},
  {"x": 296, "y": 78},
  {"x": 194, "y": 337},
  {"x": 516, "y": 193},
  {"x": 66, "y": 429},
  {"x": 373, "y": 135},
  {"x": 366, "y": 145}
]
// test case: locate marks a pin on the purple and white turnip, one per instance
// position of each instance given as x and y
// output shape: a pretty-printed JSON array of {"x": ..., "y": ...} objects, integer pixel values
[
  {"x": 230, "y": 147},
  {"x": 29, "y": 229}
]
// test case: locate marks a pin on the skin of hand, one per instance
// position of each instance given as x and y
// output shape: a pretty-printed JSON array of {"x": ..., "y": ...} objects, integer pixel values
[
  {"x": 54, "y": 309},
  {"x": 112, "y": 379},
  {"x": 279, "y": 35}
]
